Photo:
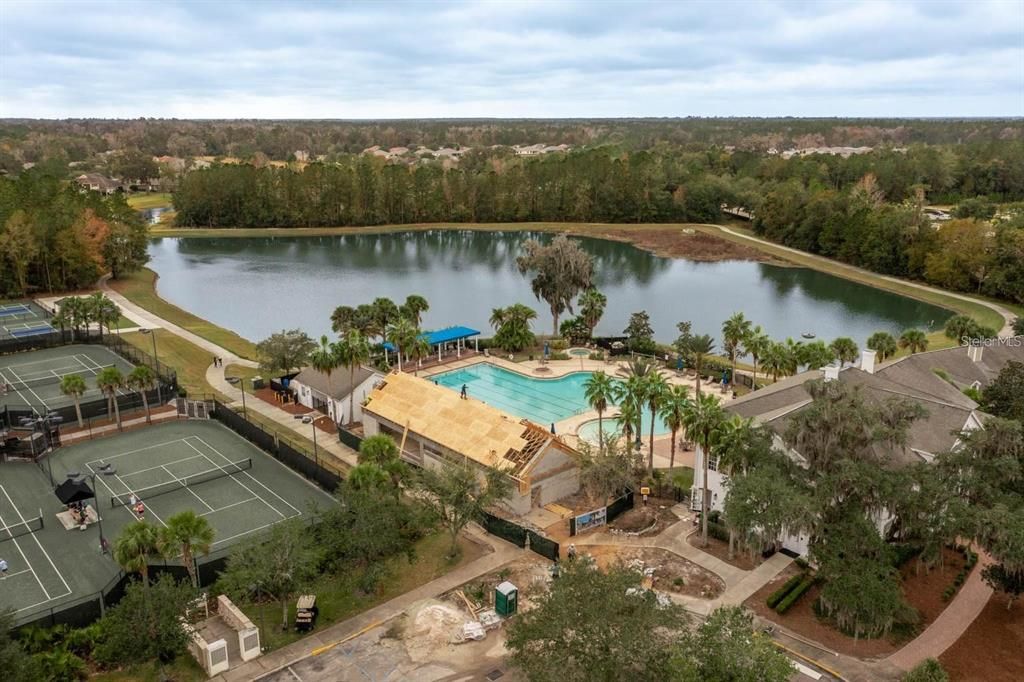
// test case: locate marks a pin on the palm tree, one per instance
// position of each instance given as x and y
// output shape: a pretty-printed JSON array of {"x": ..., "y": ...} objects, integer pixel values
[
  {"x": 498, "y": 317},
  {"x": 419, "y": 348},
  {"x": 703, "y": 420},
  {"x": 631, "y": 398},
  {"x": 673, "y": 409},
  {"x": 414, "y": 307},
  {"x": 600, "y": 391},
  {"x": 103, "y": 311},
  {"x": 367, "y": 476},
  {"x": 655, "y": 392},
  {"x": 353, "y": 350},
  {"x": 883, "y": 344},
  {"x": 698, "y": 350},
  {"x": 74, "y": 386},
  {"x": 324, "y": 359},
  {"x": 845, "y": 349},
  {"x": 384, "y": 313},
  {"x": 186, "y": 533},
  {"x": 628, "y": 415},
  {"x": 142, "y": 379},
  {"x": 735, "y": 331},
  {"x": 756, "y": 343},
  {"x": 774, "y": 359},
  {"x": 793, "y": 353},
  {"x": 109, "y": 380},
  {"x": 137, "y": 543},
  {"x": 592, "y": 304},
  {"x": 914, "y": 340},
  {"x": 402, "y": 333}
]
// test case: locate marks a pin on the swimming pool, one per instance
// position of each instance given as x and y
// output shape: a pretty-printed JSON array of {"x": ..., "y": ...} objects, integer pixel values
[
  {"x": 612, "y": 428},
  {"x": 543, "y": 401}
]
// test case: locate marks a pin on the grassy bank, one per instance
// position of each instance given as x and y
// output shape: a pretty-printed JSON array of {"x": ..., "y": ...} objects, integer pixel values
[
  {"x": 140, "y": 288},
  {"x": 187, "y": 359},
  {"x": 150, "y": 200}
]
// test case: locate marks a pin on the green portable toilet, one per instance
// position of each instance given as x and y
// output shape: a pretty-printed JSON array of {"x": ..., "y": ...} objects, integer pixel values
[{"x": 506, "y": 599}]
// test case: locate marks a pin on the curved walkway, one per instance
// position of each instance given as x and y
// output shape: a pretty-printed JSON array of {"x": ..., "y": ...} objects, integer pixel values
[
  {"x": 1007, "y": 315},
  {"x": 954, "y": 620}
]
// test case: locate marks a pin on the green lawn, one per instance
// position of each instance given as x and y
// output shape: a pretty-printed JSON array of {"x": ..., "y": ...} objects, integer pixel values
[
  {"x": 140, "y": 288},
  {"x": 187, "y": 359},
  {"x": 150, "y": 200},
  {"x": 338, "y": 597},
  {"x": 686, "y": 473},
  {"x": 183, "y": 669}
]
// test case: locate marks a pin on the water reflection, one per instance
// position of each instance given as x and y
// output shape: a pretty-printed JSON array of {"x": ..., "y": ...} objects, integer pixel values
[{"x": 259, "y": 285}]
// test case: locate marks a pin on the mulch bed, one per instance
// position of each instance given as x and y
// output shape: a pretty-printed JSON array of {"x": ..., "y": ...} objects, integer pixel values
[
  {"x": 922, "y": 591},
  {"x": 991, "y": 647},
  {"x": 720, "y": 550},
  {"x": 270, "y": 396}
]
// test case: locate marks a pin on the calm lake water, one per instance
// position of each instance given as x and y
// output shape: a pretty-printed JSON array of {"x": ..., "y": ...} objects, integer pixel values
[{"x": 256, "y": 286}]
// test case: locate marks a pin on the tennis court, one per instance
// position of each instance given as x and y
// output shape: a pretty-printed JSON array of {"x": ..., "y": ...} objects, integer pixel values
[
  {"x": 33, "y": 377},
  {"x": 19, "y": 319},
  {"x": 189, "y": 464}
]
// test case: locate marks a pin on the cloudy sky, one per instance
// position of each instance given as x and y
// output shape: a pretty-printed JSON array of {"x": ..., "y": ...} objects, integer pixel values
[{"x": 260, "y": 59}]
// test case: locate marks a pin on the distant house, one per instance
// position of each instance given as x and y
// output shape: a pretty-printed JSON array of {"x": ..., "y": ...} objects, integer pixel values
[
  {"x": 439, "y": 428},
  {"x": 934, "y": 380},
  {"x": 175, "y": 163},
  {"x": 98, "y": 183},
  {"x": 333, "y": 397}
]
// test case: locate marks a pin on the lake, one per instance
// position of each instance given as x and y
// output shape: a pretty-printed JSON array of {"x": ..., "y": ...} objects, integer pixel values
[{"x": 256, "y": 286}]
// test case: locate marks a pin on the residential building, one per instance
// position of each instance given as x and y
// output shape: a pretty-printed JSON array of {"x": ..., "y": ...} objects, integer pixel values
[
  {"x": 98, "y": 183},
  {"x": 935, "y": 380},
  {"x": 333, "y": 395},
  {"x": 436, "y": 427}
]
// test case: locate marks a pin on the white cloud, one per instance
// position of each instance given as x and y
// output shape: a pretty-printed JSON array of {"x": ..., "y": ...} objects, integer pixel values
[{"x": 507, "y": 59}]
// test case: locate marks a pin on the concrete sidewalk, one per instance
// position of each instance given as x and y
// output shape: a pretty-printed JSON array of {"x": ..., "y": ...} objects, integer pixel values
[{"x": 502, "y": 553}]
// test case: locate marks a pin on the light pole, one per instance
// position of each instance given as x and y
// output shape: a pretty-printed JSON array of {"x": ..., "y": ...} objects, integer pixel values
[
  {"x": 240, "y": 382},
  {"x": 316, "y": 457},
  {"x": 156, "y": 360},
  {"x": 105, "y": 470},
  {"x": 47, "y": 422}
]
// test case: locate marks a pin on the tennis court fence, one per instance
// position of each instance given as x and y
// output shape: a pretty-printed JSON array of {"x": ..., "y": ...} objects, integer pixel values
[{"x": 305, "y": 463}]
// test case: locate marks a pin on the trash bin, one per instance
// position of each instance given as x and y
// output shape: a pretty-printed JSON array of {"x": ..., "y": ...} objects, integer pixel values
[
  {"x": 506, "y": 599},
  {"x": 257, "y": 383}
]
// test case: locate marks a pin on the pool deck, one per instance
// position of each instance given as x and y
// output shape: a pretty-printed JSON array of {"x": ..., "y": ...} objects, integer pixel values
[{"x": 553, "y": 369}]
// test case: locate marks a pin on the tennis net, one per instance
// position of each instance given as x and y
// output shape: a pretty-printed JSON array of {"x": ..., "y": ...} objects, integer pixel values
[
  {"x": 22, "y": 528},
  {"x": 148, "y": 492},
  {"x": 19, "y": 383}
]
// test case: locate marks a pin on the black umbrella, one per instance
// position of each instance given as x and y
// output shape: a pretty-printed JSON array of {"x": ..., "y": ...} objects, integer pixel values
[{"x": 73, "y": 491}]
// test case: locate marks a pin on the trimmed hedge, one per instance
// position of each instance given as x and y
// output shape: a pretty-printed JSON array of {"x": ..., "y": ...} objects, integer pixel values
[
  {"x": 797, "y": 592},
  {"x": 775, "y": 597}
]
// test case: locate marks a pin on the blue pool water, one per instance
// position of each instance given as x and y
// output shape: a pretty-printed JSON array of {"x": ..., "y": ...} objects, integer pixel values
[
  {"x": 612, "y": 428},
  {"x": 540, "y": 400},
  {"x": 543, "y": 401}
]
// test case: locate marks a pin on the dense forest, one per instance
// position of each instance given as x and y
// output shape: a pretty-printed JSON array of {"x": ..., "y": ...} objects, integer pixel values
[
  {"x": 866, "y": 209},
  {"x": 60, "y": 142},
  {"x": 54, "y": 237}
]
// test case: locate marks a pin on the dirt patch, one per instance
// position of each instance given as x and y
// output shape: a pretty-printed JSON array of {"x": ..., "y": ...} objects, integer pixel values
[
  {"x": 720, "y": 550},
  {"x": 997, "y": 632},
  {"x": 922, "y": 591},
  {"x": 270, "y": 396},
  {"x": 672, "y": 242},
  {"x": 656, "y": 515},
  {"x": 671, "y": 573}
]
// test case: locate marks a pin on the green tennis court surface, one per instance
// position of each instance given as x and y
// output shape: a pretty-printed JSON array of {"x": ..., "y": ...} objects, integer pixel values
[
  {"x": 19, "y": 319},
  {"x": 33, "y": 378},
  {"x": 189, "y": 464}
]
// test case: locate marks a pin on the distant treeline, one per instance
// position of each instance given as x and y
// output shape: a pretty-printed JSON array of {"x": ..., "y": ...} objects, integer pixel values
[
  {"x": 54, "y": 237},
  {"x": 80, "y": 140},
  {"x": 865, "y": 210}
]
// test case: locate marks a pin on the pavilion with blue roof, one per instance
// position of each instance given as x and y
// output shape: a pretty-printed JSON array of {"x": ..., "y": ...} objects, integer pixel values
[{"x": 443, "y": 338}]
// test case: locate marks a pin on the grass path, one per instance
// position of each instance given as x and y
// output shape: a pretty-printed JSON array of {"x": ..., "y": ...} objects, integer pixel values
[{"x": 150, "y": 200}]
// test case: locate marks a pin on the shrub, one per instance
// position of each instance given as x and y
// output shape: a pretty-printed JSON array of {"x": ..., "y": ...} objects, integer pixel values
[
  {"x": 802, "y": 562},
  {"x": 948, "y": 593},
  {"x": 597, "y": 355},
  {"x": 775, "y": 597},
  {"x": 559, "y": 356},
  {"x": 929, "y": 670},
  {"x": 795, "y": 594}
]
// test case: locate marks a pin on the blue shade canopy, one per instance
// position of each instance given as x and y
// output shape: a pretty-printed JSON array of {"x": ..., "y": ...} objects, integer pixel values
[{"x": 445, "y": 335}]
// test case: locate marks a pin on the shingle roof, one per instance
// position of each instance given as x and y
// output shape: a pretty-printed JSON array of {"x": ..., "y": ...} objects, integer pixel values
[
  {"x": 341, "y": 383},
  {"x": 468, "y": 427}
]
